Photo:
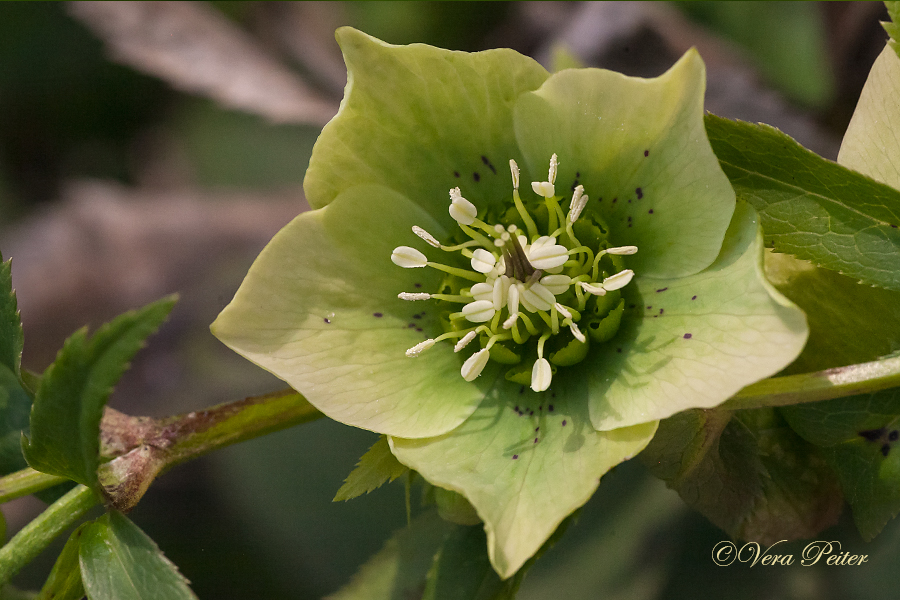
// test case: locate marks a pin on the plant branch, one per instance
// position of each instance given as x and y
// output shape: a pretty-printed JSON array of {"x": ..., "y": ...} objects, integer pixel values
[
  {"x": 34, "y": 537},
  {"x": 863, "y": 378},
  {"x": 25, "y": 482}
]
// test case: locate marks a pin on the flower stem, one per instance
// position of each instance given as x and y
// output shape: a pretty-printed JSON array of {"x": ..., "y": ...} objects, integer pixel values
[
  {"x": 25, "y": 482},
  {"x": 34, "y": 537},
  {"x": 863, "y": 378}
]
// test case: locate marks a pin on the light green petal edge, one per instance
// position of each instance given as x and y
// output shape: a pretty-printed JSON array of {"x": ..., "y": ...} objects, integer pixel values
[
  {"x": 871, "y": 144},
  {"x": 412, "y": 116},
  {"x": 523, "y": 500},
  {"x": 334, "y": 264},
  {"x": 741, "y": 330},
  {"x": 600, "y": 124}
]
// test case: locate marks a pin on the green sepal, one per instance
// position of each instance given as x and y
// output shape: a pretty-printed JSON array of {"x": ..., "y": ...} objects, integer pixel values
[
  {"x": 11, "y": 336},
  {"x": 64, "y": 581}
]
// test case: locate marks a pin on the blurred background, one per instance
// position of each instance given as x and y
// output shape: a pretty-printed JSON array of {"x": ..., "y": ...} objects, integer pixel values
[{"x": 155, "y": 147}]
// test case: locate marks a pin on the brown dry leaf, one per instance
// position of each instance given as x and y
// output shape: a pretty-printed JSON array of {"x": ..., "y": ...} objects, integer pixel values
[{"x": 197, "y": 50}]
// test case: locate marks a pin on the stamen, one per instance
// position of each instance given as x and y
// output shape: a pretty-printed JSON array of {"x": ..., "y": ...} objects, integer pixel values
[
  {"x": 479, "y": 311},
  {"x": 622, "y": 250},
  {"x": 543, "y": 188},
  {"x": 577, "y": 332},
  {"x": 547, "y": 255},
  {"x": 554, "y": 165},
  {"x": 483, "y": 261},
  {"x": 412, "y": 296},
  {"x": 618, "y": 281},
  {"x": 474, "y": 365},
  {"x": 507, "y": 324},
  {"x": 514, "y": 168},
  {"x": 465, "y": 341},
  {"x": 579, "y": 201},
  {"x": 462, "y": 211},
  {"x": 557, "y": 284},
  {"x": 408, "y": 258},
  {"x": 419, "y": 348},
  {"x": 596, "y": 290},
  {"x": 563, "y": 311},
  {"x": 426, "y": 236},
  {"x": 541, "y": 374}
]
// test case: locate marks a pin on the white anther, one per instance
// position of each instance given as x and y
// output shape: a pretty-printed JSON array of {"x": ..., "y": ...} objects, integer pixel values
[
  {"x": 501, "y": 286},
  {"x": 507, "y": 324},
  {"x": 557, "y": 284},
  {"x": 618, "y": 281},
  {"x": 499, "y": 243},
  {"x": 419, "y": 348},
  {"x": 426, "y": 236},
  {"x": 543, "y": 188},
  {"x": 408, "y": 258},
  {"x": 577, "y": 205},
  {"x": 622, "y": 250},
  {"x": 464, "y": 341},
  {"x": 547, "y": 256},
  {"x": 514, "y": 169},
  {"x": 411, "y": 296},
  {"x": 479, "y": 311},
  {"x": 541, "y": 374},
  {"x": 483, "y": 261},
  {"x": 563, "y": 311},
  {"x": 577, "y": 332},
  {"x": 499, "y": 228},
  {"x": 482, "y": 291},
  {"x": 462, "y": 211},
  {"x": 554, "y": 166},
  {"x": 512, "y": 228},
  {"x": 538, "y": 296},
  {"x": 596, "y": 290},
  {"x": 512, "y": 298},
  {"x": 474, "y": 365}
]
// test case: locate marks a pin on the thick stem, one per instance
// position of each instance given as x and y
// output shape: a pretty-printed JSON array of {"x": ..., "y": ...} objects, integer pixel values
[
  {"x": 34, "y": 537},
  {"x": 864, "y": 378}
]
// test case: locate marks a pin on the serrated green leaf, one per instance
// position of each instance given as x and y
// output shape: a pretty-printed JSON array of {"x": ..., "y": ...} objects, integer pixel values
[
  {"x": 398, "y": 571},
  {"x": 376, "y": 467},
  {"x": 811, "y": 207},
  {"x": 11, "y": 337},
  {"x": 64, "y": 582},
  {"x": 747, "y": 472},
  {"x": 15, "y": 406},
  {"x": 857, "y": 436},
  {"x": 65, "y": 417},
  {"x": 893, "y": 28},
  {"x": 119, "y": 562}
]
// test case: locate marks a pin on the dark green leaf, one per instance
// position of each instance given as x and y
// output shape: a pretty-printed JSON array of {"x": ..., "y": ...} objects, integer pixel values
[
  {"x": 65, "y": 418},
  {"x": 462, "y": 570},
  {"x": 849, "y": 323},
  {"x": 399, "y": 570},
  {"x": 747, "y": 472},
  {"x": 376, "y": 467},
  {"x": 893, "y": 28},
  {"x": 64, "y": 582},
  {"x": 11, "y": 337},
  {"x": 15, "y": 406},
  {"x": 811, "y": 207},
  {"x": 119, "y": 562},
  {"x": 858, "y": 436}
]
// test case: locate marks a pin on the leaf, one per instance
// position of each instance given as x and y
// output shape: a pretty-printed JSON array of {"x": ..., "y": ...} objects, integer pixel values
[
  {"x": 893, "y": 28},
  {"x": 15, "y": 405},
  {"x": 64, "y": 581},
  {"x": 811, "y": 207},
  {"x": 398, "y": 571},
  {"x": 857, "y": 435},
  {"x": 11, "y": 336},
  {"x": 65, "y": 417},
  {"x": 747, "y": 472},
  {"x": 119, "y": 562},
  {"x": 376, "y": 467}
]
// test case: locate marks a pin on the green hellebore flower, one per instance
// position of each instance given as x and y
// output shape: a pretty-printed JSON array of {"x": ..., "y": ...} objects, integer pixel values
[{"x": 611, "y": 340}]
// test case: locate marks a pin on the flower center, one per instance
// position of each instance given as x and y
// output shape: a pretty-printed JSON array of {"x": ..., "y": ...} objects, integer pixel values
[{"x": 526, "y": 295}]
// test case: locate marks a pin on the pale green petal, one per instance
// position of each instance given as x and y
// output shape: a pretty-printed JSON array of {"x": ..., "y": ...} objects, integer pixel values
[
  {"x": 422, "y": 120},
  {"x": 308, "y": 312},
  {"x": 525, "y": 461},
  {"x": 872, "y": 142},
  {"x": 695, "y": 341},
  {"x": 640, "y": 149}
]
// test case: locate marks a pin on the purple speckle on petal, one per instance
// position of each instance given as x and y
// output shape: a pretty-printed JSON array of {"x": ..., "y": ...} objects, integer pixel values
[
  {"x": 619, "y": 350},
  {"x": 515, "y": 456},
  {"x": 538, "y": 428},
  {"x": 417, "y": 316},
  {"x": 456, "y": 174},
  {"x": 419, "y": 329},
  {"x": 649, "y": 307},
  {"x": 650, "y": 212},
  {"x": 476, "y": 176},
  {"x": 535, "y": 440},
  {"x": 687, "y": 336},
  {"x": 661, "y": 290},
  {"x": 417, "y": 285},
  {"x": 640, "y": 194},
  {"x": 614, "y": 200},
  {"x": 327, "y": 320},
  {"x": 646, "y": 153},
  {"x": 550, "y": 408},
  {"x": 377, "y": 315},
  {"x": 564, "y": 423},
  {"x": 694, "y": 298},
  {"x": 661, "y": 311}
]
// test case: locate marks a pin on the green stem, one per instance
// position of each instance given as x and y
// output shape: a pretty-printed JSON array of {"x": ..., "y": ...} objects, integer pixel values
[
  {"x": 25, "y": 482},
  {"x": 34, "y": 537},
  {"x": 863, "y": 378}
]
